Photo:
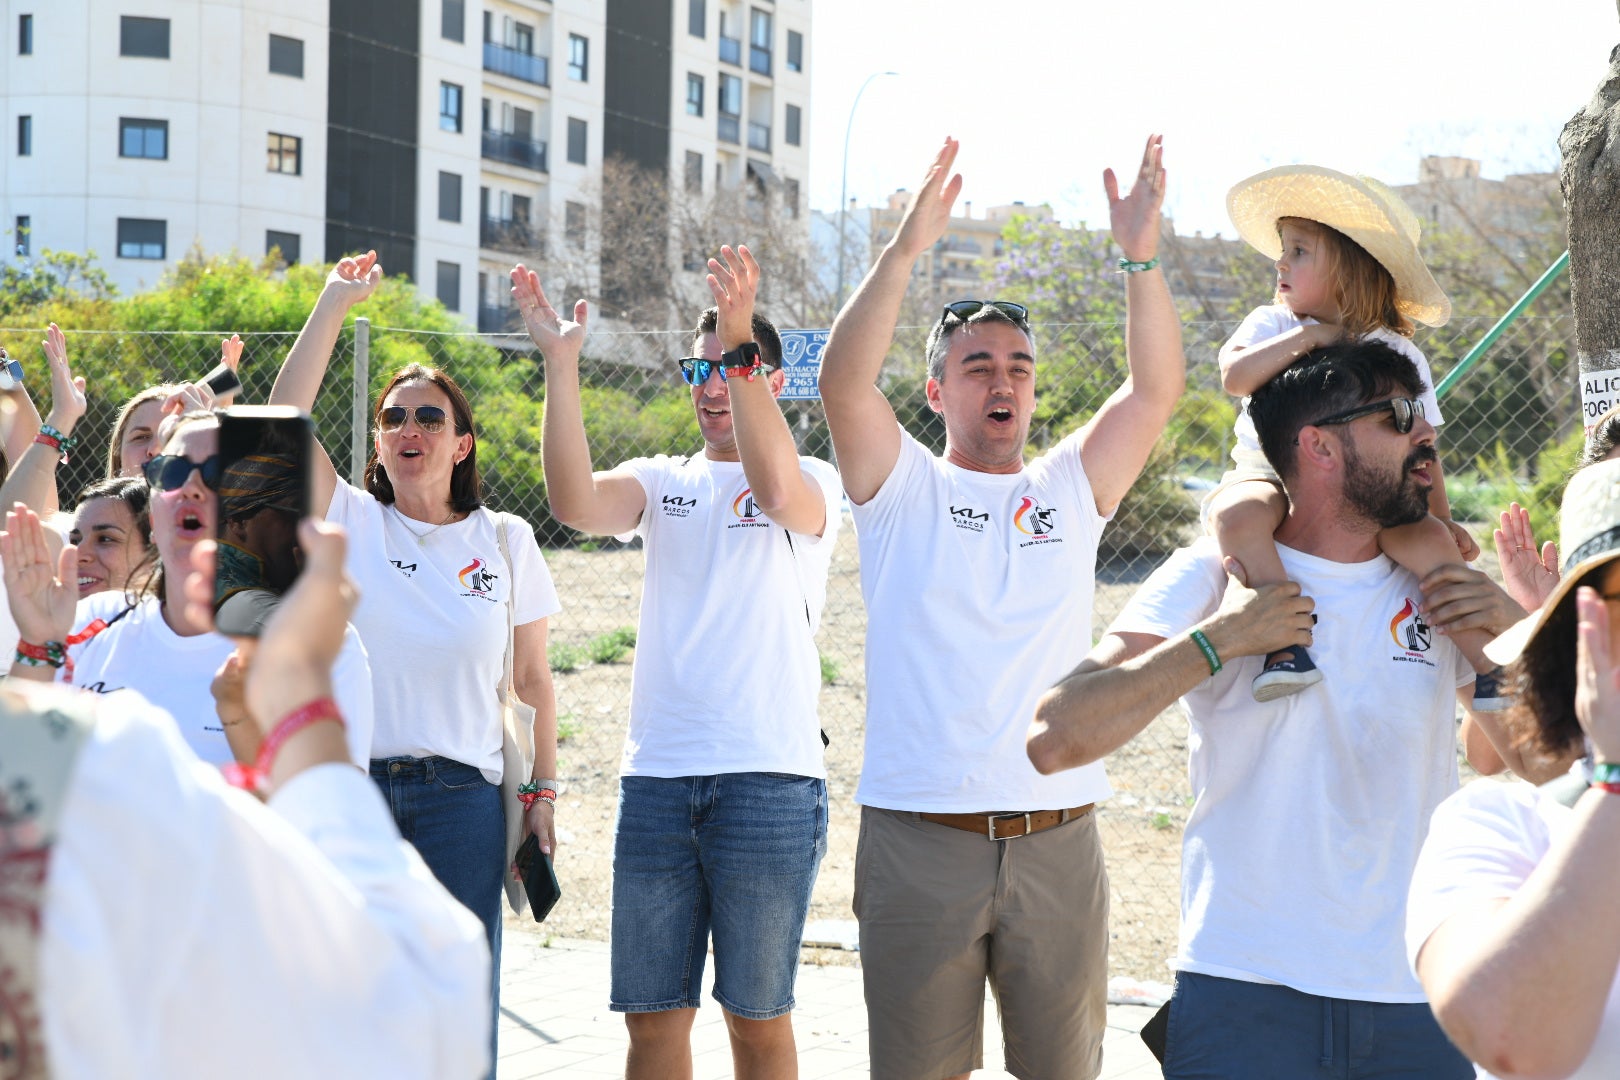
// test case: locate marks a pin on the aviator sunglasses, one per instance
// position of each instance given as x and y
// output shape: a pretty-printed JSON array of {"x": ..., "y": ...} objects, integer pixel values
[
  {"x": 696, "y": 370},
  {"x": 428, "y": 417},
  {"x": 964, "y": 310},
  {"x": 169, "y": 472},
  {"x": 1406, "y": 411}
]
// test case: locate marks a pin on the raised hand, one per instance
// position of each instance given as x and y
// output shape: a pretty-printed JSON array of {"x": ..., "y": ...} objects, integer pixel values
[
  {"x": 230, "y": 352},
  {"x": 929, "y": 214},
  {"x": 1528, "y": 575},
  {"x": 1597, "y": 678},
  {"x": 1135, "y": 218},
  {"x": 557, "y": 338},
  {"x": 734, "y": 281},
  {"x": 190, "y": 397},
  {"x": 43, "y": 596},
  {"x": 354, "y": 278},
  {"x": 67, "y": 390}
]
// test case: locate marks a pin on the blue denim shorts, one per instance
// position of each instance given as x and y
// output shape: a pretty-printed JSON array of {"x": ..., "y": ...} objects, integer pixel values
[{"x": 735, "y": 854}]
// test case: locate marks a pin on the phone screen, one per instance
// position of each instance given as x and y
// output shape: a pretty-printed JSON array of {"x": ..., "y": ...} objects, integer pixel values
[{"x": 264, "y": 485}]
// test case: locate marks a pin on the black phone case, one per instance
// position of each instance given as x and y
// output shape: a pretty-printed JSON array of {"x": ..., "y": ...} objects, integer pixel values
[{"x": 539, "y": 879}]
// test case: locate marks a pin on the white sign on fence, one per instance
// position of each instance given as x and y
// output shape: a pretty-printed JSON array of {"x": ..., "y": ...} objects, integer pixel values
[
  {"x": 1600, "y": 388},
  {"x": 801, "y": 360}
]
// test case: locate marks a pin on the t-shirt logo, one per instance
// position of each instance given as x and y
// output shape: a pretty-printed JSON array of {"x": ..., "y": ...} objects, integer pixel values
[
  {"x": 1036, "y": 522},
  {"x": 677, "y": 507},
  {"x": 476, "y": 578},
  {"x": 747, "y": 512},
  {"x": 403, "y": 567},
  {"x": 969, "y": 519},
  {"x": 1411, "y": 634}
]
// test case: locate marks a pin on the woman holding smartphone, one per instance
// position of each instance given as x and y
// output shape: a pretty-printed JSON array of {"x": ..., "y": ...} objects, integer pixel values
[{"x": 437, "y": 573}]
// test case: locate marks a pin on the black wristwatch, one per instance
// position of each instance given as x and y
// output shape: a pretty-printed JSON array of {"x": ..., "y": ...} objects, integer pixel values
[{"x": 743, "y": 360}]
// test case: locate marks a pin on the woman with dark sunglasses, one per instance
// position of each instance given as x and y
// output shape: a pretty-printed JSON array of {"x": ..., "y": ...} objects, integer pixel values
[
  {"x": 153, "y": 646},
  {"x": 440, "y": 577}
]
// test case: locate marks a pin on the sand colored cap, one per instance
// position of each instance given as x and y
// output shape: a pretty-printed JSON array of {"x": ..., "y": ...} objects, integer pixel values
[
  {"x": 1360, "y": 207},
  {"x": 1588, "y": 537}
]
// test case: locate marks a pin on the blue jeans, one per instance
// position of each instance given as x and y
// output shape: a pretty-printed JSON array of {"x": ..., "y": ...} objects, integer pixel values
[
  {"x": 735, "y": 853},
  {"x": 453, "y": 817},
  {"x": 1222, "y": 1028}
]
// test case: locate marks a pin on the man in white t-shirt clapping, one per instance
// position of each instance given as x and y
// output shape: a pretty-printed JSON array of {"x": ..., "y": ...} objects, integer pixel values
[
  {"x": 977, "y": 569},
  {"x": 722, "y": 794},
  {"x": 1309, "y": 810}
]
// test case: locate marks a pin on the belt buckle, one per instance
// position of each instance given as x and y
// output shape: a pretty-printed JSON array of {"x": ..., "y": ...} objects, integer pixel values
[{"x": 990, "y": 828}]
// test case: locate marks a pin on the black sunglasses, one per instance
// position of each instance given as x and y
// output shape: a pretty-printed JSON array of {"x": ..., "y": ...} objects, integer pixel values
[
  {"x": 169, "y": 472},
  {"x": 966, "y": 309},
  {"x": 1406, "y": 411},
  {"x": 696, "y": 370},
  {"x": 428, "y": 417}
]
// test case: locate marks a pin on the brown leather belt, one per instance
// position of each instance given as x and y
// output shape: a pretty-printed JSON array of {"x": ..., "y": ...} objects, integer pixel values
[{"x": 1008, "y": 826}]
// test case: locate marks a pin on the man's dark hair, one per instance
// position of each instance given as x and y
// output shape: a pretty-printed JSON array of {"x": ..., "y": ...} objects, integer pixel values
[
  {"x": 1323, "y": 382},
  {"x": 765, "y": 335}
]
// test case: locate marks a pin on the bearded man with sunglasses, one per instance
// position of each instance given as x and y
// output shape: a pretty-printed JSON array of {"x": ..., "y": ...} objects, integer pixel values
[
  {"x": 977, "y": 569},
  {"x": 722, "y": 795},
  {"x": 1309, "y": 810}
]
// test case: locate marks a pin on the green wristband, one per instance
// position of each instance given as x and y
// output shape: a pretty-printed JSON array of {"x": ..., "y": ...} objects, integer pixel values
[
  {"x": 1126, "y": 266},
  {"x": 1210, "y": 656},
  {"x": 1606, "y": 772}
]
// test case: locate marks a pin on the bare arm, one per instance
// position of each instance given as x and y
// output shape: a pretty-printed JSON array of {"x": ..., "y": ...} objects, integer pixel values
[
  {"x": 1246, "y": 368},
  {"x": 1128, "y": 679},
  {"x": 770, "y": 460},
  {"x": 531, "y": 678},
  {"x": 866, "y": 437},
  {"x": 605, "y": 503},
  {"x": 32, "y": 479},
  {"x": 1116, "y": 442},
  {"x": 25, "y": 424},
  {"x": 299, "y": 381}
]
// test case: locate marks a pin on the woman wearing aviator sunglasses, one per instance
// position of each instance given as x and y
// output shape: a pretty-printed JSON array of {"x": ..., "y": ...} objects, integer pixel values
[
  {"x": 439, "y": 576},
  {"x": 153, "y": 646}
]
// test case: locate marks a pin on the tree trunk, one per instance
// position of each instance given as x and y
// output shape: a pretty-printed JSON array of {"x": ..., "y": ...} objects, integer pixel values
[{"x": 1590, "y": 178}]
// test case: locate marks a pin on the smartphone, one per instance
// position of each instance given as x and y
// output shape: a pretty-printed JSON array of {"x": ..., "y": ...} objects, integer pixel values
[
  {"x": 222, "y": 380},
  {"x": 265, "y": 455},
  {"x": 11, "y": 372}
]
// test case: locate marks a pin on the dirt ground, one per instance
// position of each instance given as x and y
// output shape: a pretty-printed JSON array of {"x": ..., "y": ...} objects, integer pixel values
[{"x": 601, "y": 592}]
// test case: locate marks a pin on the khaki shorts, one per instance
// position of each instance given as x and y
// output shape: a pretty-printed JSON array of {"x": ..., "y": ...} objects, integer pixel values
[{"x": 941, "y": 910}]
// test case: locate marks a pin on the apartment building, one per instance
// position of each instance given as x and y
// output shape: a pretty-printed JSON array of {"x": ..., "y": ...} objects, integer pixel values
[{"x": 453, "y": 137}]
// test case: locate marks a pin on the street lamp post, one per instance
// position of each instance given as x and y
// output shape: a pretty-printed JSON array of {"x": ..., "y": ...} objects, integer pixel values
[{"x": 843, "y": 187}]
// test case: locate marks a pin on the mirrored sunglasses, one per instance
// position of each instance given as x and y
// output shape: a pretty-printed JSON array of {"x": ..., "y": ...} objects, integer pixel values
[
  {"x": 696, "y": 371},
  {"x": 428, "y": 417},
  {"x": 169, "y": 472}
]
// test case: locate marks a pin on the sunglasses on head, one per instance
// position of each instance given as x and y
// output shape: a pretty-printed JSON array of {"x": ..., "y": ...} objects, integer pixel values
[
  {"x": 428, "y": 417},
  {"x": 169, "y": 472},
  {"x": 964, "y": 310},
  {"x": 1406, "y": 411},
  {"x": 696, "y": 370}
]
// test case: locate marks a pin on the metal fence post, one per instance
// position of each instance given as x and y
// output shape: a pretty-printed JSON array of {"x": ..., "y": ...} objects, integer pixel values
[{"x": 360, "y": 411}]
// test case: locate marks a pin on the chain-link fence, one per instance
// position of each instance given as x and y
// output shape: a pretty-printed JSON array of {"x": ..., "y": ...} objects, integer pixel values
[{"x": 1510, "y": 433}]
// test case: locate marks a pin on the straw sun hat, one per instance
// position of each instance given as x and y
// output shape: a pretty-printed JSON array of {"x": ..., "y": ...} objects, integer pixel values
[
  {"x": 1588, "y": 537},
  {"x": 1363, "y": 209}
]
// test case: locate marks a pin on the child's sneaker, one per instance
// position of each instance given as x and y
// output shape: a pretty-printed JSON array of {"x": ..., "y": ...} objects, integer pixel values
[
  {"x": 1288, "y": 671},
  {"x": 1490, "y": 691}
]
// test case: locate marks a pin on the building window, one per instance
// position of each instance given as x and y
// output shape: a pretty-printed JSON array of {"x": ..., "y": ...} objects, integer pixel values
[
  {"x": 449, "y": 107},
  {"x": 139, "y": 36},
  {"x": 730, "y": 95},
  {"x": 25, "y": 35},
  {"x": 795, "y": 51},
  {"x": 449, "y": 290},
  {"x": 25, "y": 136},
  {"x": 286, "y": 56},
  {"x": 574, "y": 223},
  {"x": 449, "y": 197},
  {"x": 285, "y": 242},
  {"x": 790, "y": 197},
  {"x": 576, "y": 141},
  {"x": 697, "y": 18},
  {"x": 286, "y": 154},
  {"x": 142, "y": 238},
  {"x": 694, "y": 94},
  {"x": 759, "y": 41},
  {"x": 24, "y": 230},
  {"x": 694, "y": 172},
  {"x": 143, "y": 138},
  {"x": 453, "y": 20},
  {"x": 579, "y": 58},
  {"x": 794, "y": 118}
]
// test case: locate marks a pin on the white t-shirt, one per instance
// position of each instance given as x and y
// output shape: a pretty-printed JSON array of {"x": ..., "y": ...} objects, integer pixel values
[
  {"x": 1265, "y": 323},
  {"x": 1483, "y": 843},
  {"x": 433, "y": 616},
  {"x": 181, "y": 917},
  {"x": 1310, "y": 809},
  {"x": 978, "y": 594},
  {"x": 139, "y": 652},
  {"x": 726, "y": 675}
]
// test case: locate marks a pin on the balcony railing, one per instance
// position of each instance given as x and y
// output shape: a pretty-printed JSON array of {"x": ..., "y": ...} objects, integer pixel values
[
  {"x": 499, "y": 319},
  {"x": 730, "y": 128},
  {"x": 759, "y": 137},
  {"x": 514, "y": 150},
  {"x": 505, "y": 60},
  {"x": 505, "y": 235},
  {"x": 759, "y": 60},
  {"x": 730, "y": 50}
]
